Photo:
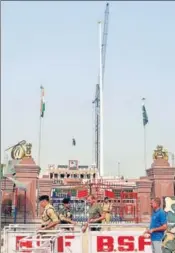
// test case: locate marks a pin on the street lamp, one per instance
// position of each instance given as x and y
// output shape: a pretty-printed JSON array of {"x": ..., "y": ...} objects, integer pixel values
[
  {"x": 118, "y": 169},
  {"x": 172, "y": 158}
]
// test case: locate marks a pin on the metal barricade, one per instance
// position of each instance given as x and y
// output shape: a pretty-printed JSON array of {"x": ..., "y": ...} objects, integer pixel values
[
  {"x": 117, "y": 239},
  {"x": 120, "y": 238},
  {"x": 38, "y": 245},
  {"x": 13, "y": 233},
  {"x": 25, "y": 238}
]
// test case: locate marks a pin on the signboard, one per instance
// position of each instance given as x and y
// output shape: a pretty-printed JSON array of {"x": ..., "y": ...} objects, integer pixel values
[
  {"x": 63, "y": 193},
  {"x": 121, "y": 240}
]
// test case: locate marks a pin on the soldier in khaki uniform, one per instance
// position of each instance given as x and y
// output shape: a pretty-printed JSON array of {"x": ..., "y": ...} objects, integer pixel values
[
  {"x": 107, "y": 208},
  {"x": 65, "y": 214},
  {"x": 96, "y": 214},
  {"x": 49, "y": 219},
  {"x": 168, "y": 242}
]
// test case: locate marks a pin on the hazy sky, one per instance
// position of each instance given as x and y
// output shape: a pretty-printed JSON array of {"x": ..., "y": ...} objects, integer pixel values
[{"x": 56, "y": 44}]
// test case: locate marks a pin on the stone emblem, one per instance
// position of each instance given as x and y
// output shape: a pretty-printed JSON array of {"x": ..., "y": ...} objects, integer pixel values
[
  {"x": 160, "y": 152},
  {"x": 21, "y": 150}
]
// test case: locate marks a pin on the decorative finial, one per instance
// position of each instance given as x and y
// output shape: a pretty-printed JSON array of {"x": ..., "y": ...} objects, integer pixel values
[
  {"x": 21, "y": 150},
  {"x": 28, "y": 152},
  {"x": 160, "y": 152}
]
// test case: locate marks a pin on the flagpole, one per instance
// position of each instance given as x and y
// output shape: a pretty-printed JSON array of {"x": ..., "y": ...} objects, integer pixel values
[
  {"x": 119, "y": 170},
  {"x": 1, "y": 177},
  {"x": 145, "y": 148},
  {"x": 39, "y": 151},
  {"x": 39, "y": 143},
  {"x": 39, "y": 156}
]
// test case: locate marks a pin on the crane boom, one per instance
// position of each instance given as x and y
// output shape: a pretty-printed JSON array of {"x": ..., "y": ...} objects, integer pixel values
[
  {"x": 97, "y": 94},
  {"x": 104, "y": 41}
]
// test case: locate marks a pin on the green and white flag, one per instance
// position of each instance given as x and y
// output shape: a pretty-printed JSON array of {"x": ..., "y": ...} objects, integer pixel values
[
  {"x": 9, "y": 168},
  {"x": 1, "y": 171},
  {"x": 42, "y": 109},
  {"x": 18, "y": 184},
  {"x": 144, "y": 113}
]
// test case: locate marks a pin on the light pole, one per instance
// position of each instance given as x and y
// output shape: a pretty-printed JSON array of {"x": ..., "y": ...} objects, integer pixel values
[
  {"x": 119, "y": 170},
  {"x": 1, "y": 176},
  {"x": 172, "y": 158}
]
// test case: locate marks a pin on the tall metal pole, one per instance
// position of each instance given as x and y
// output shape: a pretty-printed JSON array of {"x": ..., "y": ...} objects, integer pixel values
[
  {"x": 101, "y": 101},
  {"x": 119, "y": 170},
  {"x": 1, "y": 173},
  {"x": 145, "y": 148},
  {"x": 39, "y": 143},
  {"x": 172, "y": 158},
  {"x": 103, "y": 45},
  {"x": 39, "y": 155},
  {"x": 1, "y": 178},
  {"x": 97, "y": 132}
]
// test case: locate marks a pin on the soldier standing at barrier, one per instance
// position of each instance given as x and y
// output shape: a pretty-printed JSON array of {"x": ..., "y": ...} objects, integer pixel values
[
  {"x": 158, "y": 225},
  {"x": 49, "y": 219},
  {"x": 65, "y": 213},
  {"x": 107, "y": 208},
  {"x": 96, "y": 215}
]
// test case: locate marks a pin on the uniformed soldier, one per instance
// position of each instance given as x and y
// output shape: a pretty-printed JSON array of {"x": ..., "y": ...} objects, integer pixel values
[
  {"x": 107, "y": 208},
  {"x": 49, "y": 219},
  {"x": 96, "y": 214},
  {"x": 168, "y": 242},
  {"x": 65, "y": 214}
]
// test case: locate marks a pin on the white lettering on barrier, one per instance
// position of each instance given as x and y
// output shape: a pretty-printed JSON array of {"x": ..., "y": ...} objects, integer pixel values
[{"x": 119, "y": 241}]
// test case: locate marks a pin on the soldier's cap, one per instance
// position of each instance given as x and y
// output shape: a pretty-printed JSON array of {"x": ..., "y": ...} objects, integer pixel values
[
  {"x": 66, "y": 201},
  {"x": 44, "y": 197}
]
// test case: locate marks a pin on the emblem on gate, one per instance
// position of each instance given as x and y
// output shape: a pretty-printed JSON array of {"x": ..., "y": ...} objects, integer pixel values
[
  {"x": 160, "y": 152},
  {"x": 20, "y": 150}
]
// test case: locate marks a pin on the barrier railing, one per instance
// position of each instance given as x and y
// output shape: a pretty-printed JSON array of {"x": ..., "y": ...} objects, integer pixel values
[
  {"x": 26, "y": 238},
  {"x": 121, "y": 238},
  {"x": 37, "y": 245}
]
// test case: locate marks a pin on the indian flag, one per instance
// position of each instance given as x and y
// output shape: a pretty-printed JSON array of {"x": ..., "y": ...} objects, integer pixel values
[{"x": 42, "y": 110}]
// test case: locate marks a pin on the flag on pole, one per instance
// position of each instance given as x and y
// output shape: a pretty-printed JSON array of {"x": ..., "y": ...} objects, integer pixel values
[
  {"x": 109, "y": 194},
  {"x": 73, "y": 142},
  {"x": 144, "y": 113},
  {"x": 82, "y": 194},
  {"x": 18, "y": 184},
  {"x": 42, "y": 109},
  {"x": 1, "y": 171},
  {"x": 9, "y": 168}
]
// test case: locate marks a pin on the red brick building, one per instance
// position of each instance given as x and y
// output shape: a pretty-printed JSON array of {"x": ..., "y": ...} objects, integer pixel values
[{"x": 158, "y": 182}]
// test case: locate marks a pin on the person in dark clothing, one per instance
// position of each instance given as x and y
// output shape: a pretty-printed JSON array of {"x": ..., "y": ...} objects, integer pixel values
[{"x": 65, "y": 213}]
